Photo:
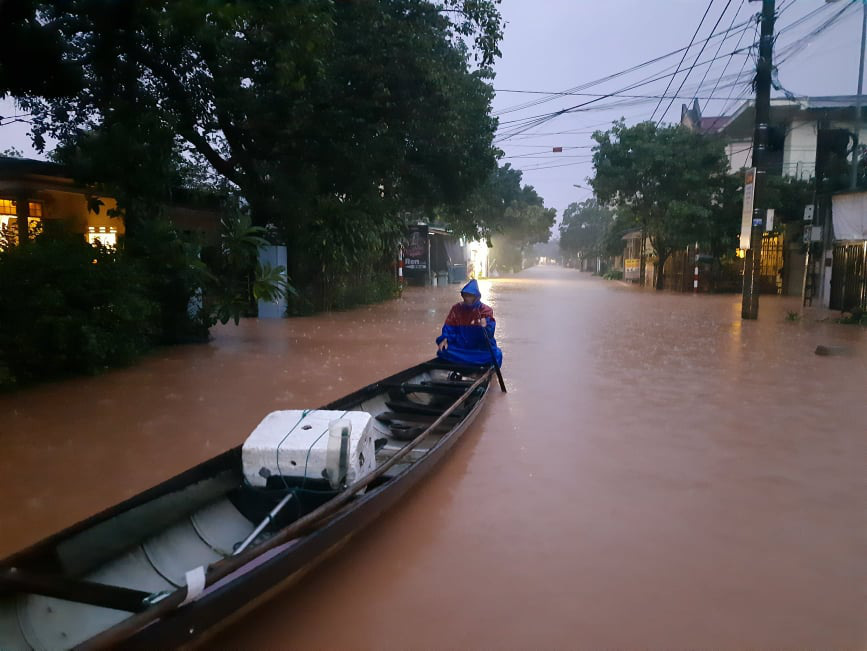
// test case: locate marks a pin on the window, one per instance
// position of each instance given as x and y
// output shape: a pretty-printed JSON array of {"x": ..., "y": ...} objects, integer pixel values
[
  {"x": 9, "y": 220},
  {"x": 104, "y": 235},
  {"x": 10, "y": 206}
]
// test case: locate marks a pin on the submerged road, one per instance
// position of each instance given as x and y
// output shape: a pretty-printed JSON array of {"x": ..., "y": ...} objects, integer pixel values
[{"x": 661, "y": 474}]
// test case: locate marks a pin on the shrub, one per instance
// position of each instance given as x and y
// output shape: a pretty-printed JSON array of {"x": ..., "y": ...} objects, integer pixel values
[
  {"x": 67, "y": 307},
  {"x": 856, "y": 316},
  {"x": 172, "y": 276},
  {"x": 613, "y": 274}
]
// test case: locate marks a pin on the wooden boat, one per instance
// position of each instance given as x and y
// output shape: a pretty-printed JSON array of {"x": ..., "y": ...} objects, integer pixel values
[{"x": 172, "y": 564}]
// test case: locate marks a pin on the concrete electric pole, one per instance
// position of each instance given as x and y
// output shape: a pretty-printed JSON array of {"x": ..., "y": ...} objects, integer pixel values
[
  {"x": 753, "y": 259},
  {"x": 853, "y": 180}
]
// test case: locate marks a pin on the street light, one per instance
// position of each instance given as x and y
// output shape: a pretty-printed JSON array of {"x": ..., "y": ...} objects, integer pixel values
[{"x": 853, "y": 178}]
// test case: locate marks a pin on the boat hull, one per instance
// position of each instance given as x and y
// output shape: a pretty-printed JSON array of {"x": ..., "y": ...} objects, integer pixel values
[{"x": 84, "y": 570}]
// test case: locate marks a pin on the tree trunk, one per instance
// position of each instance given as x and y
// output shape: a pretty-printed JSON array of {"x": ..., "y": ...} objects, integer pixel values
[
  {"x": 660, "y": 273},
  {"x": 642, "y": 257}
]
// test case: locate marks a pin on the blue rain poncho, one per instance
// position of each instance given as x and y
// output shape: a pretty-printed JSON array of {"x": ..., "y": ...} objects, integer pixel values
[{"x": 466, "y": 338}]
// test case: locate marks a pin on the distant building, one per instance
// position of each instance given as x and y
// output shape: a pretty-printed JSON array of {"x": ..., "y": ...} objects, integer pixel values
[{"x": 34, "y": 192}]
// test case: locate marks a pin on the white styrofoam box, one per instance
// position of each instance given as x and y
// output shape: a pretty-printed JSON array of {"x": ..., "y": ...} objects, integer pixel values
[{"x": 295, "y": 435}]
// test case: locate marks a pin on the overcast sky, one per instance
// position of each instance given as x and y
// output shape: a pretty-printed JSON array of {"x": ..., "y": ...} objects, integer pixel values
[{"x": 557, "y": 45}]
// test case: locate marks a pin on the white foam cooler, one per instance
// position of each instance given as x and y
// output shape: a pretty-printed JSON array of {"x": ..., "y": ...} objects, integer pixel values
[{"x": 284, "y": 438}]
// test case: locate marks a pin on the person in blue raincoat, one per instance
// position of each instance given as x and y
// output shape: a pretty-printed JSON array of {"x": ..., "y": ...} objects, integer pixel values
[{"x": 463, "y": 336}]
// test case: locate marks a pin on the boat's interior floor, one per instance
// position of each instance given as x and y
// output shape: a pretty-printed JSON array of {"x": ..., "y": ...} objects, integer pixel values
[{"x": 151, "y": 547}]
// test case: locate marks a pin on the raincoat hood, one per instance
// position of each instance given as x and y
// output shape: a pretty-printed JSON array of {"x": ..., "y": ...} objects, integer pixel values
[{"x": 472, "y": 287}]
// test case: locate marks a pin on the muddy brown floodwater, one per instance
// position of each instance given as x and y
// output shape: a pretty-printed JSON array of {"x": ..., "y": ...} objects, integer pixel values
[{"x": 661, "y": 474}]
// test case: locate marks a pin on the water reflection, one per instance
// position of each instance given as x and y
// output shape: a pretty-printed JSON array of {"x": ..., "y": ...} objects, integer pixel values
[{"x": 660, "y": 474}]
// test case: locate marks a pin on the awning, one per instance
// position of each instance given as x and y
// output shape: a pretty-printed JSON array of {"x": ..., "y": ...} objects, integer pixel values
[{"x": 849, "y": 216}]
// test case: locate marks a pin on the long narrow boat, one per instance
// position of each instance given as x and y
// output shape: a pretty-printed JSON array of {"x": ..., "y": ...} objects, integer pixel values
[{"x": 172, "y": 564}]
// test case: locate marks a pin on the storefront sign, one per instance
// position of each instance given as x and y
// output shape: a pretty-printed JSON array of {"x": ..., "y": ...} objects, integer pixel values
[
  {"x": 747, "y": 213},
  {"x": 415, "y": 253},
  {"x": 632, "y": 268}
]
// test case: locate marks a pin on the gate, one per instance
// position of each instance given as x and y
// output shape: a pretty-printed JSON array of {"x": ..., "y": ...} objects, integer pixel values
[{"x": 849, "y": 276}]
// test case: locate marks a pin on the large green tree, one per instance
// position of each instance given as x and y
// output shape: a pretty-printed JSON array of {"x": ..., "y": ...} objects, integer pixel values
[
  {"x": 664, "y": 179},
  {"x": 328, "y": 118}
]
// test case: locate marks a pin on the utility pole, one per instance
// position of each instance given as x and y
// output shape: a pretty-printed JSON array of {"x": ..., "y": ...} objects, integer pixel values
[
  {"x": 753, "y": 259},
  {"x": 853, "y": 179}
]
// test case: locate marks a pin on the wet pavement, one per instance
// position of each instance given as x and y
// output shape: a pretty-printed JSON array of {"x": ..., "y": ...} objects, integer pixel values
[{"x": 661, "y": 473}]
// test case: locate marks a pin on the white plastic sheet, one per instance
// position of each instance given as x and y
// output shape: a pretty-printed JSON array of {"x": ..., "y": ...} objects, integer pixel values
[{"x": 849, "y": 212}]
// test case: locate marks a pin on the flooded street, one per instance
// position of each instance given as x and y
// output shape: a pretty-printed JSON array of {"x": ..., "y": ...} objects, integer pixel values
[{"x": 661, "y": 473}]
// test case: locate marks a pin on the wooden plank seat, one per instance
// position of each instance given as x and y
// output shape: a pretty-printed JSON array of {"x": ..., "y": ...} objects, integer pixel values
[
  {"x": 86, "y": 592},
  {"x": 389, "y": 417},
  {"x": 408, "y": 431},
  {"x": 409, "y": 407},
  {"x": 434, "y": 389},
  {"x": 462, "y": 384}
]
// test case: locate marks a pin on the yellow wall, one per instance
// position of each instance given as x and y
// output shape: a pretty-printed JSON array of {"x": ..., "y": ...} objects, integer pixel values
[{"x": 72, "y": 207}]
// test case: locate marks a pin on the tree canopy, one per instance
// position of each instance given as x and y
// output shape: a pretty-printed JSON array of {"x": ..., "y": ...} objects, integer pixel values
[
  {"x": 330, "y": 119},
  {"x": 663, "y": 179},
  {"x": 590, "y": 229},
  {"x": 505, "y": 212}
]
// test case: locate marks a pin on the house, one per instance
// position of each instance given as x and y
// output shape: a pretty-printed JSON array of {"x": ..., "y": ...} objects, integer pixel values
[
  {"x": 810, "y": 138},
  {"x": 806, "y": 134},
  {"x": 34, "y": 193}
]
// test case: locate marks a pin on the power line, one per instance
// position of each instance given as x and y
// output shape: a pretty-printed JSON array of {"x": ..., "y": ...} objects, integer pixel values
[
  {"x": 716, "y": 54},
  {"x": 683, "y": 58},
  {"x": 796, "y": 47},
  {"x": 596, "y": 82},
  {"x": 548, "y": 167},
  {"x": 726, "y": 67},
  {"x": 740, "y": 72},
  {"x": 564, "y": 94},
  {"x": 523, "y": 125},
  {"x": 688, "y": 72},
  {"x": 534, "y": 121},
  {"x": 543, "y": 155},
  {"x": 617, "y": 93}
]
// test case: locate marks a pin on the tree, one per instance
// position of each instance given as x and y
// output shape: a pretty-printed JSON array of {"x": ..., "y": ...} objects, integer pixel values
[
  {"x": 724, "y": 226},
  {"x": 509, "y": 215},
  {"x": 663, "y": 179},
  {"x": 316, "y": 113},
  {"x": 788, "y": 195},
  {"x": 503, "y": 206},
  {"x": 483, "y": 213},
  {"x": 590, "y": 230}
]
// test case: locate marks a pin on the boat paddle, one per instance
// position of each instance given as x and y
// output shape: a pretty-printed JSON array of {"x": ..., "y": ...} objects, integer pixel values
[{"x": 494, "y": 358}]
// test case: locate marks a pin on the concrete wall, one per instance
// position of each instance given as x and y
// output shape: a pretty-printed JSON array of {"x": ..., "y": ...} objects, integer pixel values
[
  {"x": 799, "y": 149},
  {"x": 740, "y": 154}
]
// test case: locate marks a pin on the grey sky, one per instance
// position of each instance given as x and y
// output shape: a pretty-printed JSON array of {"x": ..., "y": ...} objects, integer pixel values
[{"x": 553, "y": 45}]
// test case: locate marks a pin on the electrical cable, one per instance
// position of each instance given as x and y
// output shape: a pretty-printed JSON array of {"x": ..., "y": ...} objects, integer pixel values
[
  {"x": 683, "y": 58},
  {"x": 688, "y": 72}
]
